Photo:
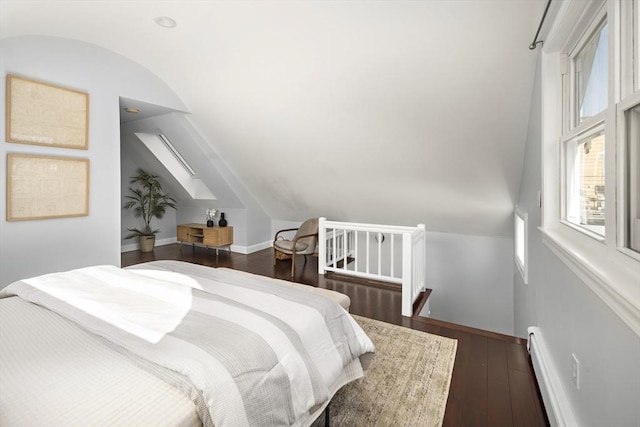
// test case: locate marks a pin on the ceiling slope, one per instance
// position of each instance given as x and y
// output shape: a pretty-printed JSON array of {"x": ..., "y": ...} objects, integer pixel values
[{"x": 397, "y": 112}]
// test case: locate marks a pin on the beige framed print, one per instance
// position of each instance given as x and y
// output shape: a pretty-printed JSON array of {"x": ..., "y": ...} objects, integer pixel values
[
  {"x": 40, "y": 187},
  {"x": 45, "y": 114}
]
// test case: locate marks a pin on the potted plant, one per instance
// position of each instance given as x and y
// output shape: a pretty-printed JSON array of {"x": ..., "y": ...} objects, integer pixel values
[{"x": 148, "y": 201}]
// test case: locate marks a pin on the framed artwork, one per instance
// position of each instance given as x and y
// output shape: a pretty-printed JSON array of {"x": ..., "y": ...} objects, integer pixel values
[
  {"x": 44, "y": 114},
  {"x": 40, "y": 187}
]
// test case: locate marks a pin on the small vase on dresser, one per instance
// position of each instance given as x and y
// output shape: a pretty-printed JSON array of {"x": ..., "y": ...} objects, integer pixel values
[{"x": 223, "y": 221}]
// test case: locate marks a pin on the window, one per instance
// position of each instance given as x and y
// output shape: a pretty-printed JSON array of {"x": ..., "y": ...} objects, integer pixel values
[
  {"x": 176, "y": 154},
  {"x": 628, "y": 125},
  {"x": 583, "y": 147},
  {"x": 590, "y": 79},
  {"x": 591, "y": 76},
  {"x": 630, "y": 47},
  {"x": 160, "y": 146},
  {"x": 585, "y": 195},
  {"x": 520, "y": 243},
  {"x": 631, "y": 183}
]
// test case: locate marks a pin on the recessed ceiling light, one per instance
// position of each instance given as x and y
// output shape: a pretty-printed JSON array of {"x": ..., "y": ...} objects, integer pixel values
[
  {"x": 131, "y": 110},
  {"x": 165, "y": 21}
]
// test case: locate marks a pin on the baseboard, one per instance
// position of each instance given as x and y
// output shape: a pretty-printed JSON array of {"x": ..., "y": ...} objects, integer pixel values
[
  {"x": 136, "y": 246},
  {"x": 257, "y": 247},
  {"x": 556, "y": 403},
  {"x": 251, "y": 249},
  {"x": 234, "y": 248}
]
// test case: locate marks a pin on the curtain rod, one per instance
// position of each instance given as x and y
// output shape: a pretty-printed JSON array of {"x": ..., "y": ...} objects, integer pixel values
[{"x": 535, "y": 41}]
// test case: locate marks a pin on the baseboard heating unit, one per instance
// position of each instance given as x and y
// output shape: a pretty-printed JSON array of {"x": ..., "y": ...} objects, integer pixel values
[{"x": 555, "y": 400}]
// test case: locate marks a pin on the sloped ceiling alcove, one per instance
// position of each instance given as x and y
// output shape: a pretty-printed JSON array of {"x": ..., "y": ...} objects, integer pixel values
[
  {"x": 397, "y": 112},
  {"x": 178, "y": 131}
]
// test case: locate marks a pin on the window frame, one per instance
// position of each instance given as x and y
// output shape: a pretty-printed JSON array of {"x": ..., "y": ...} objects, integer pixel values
[
  {"x": 522, "y": 265},
  {"x": 608, "y": 271},
  {"x": 624, "y": 168},
  {"x": 571, "y": 128},
  {"x": 595, "y": 128},
  {"x": 630, "y": 68},
  {"x": 636, "y": 29},
  {"x": 599, "y": 21}
]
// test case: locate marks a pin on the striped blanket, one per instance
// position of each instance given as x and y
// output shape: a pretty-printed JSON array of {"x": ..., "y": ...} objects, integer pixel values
[{"x": 248, "y": 352}]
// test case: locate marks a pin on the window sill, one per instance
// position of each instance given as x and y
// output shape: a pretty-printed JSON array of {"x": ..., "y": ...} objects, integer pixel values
[
  {"x": 611, "y": 275},
  {"x": 584, "y": 229}
]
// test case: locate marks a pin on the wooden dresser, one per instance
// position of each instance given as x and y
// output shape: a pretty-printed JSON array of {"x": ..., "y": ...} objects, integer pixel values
[{"x": 208, "y": 236}]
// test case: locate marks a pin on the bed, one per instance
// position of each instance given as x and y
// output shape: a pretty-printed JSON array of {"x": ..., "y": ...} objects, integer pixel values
[{"x": 169, "y": 343}]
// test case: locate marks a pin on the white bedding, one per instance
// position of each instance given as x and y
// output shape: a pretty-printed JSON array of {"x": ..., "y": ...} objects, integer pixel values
[
  {"x": 54, "y": 373},
  {"x": 143, "y": 310}
]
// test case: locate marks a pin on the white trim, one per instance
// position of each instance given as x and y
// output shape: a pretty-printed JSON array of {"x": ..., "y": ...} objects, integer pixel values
[
  {"x": 595, "y": 128},
  {"x": 584, "y": 230},
  {"x": 555, "y": 399},
  {"x": 625, "y": 51},
  {"x": 322, "y": 249},
  {"x": 523, "y": 266},
  {"x": 613, "y": 279},
  {"x": 609, "y": 273},
  {"x": 598, "y": 22},
  {"x": 570, "y": 14},
  {"x": 234, "y": 248},
  {"x": 253, "y": 248},
  {"x": 637, "y": 50},
  {"x": 239, "y": 249},
  {"x": 159, "y": 242},
  {"x": 630, "y": 103}
]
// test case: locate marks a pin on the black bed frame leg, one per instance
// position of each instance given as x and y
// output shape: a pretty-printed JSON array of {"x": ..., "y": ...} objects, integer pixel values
[{"x": 326, "y": 415}]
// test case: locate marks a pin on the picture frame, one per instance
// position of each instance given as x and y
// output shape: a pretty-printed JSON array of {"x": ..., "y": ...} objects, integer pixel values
[
  {"x": 42, "y": 187},
  {"x": 40, "y": 113}
]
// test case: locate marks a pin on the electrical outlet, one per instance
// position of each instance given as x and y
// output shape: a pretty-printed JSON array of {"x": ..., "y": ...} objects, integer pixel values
[{"x": 575, "y": 375}]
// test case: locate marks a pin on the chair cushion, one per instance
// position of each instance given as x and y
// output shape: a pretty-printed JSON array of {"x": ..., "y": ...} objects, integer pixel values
[{"x": 287, "y": 245}]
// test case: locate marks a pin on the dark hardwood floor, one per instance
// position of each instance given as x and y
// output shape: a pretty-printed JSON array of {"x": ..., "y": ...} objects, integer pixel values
[{"x": 493, "y": 382}]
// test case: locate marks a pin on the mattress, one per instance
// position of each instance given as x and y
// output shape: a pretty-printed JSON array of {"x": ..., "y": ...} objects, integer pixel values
[
  {"x": 222, "y": 273},
  {"x": 54, "y": 373}
]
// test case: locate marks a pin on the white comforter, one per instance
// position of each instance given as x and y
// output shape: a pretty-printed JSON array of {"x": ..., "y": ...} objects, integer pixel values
[{"x": 248, "y": 352}]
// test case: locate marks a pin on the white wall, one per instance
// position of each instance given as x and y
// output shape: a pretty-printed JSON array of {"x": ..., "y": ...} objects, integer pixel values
[
  {"x": 250, "y": 222},
  {"x": 277, "y": 225},
  {"x": 572, "y": 319},
  {"x": 471, "y": 278},
  {"x": 29, "y": 248},
  {"x": 129, "y": 164}
]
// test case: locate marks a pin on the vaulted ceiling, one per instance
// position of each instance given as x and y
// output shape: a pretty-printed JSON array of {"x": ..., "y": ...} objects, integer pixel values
[{"x": 396, "y": 112}]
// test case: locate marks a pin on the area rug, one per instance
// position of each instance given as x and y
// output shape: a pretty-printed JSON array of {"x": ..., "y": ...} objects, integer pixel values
[{"x": 407, "y": 383}]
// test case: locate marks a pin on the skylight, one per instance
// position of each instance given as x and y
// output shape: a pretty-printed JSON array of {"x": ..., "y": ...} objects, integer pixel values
[
  {"x": 173, "y": 161},
  {"x": 177, "y": 155}
]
